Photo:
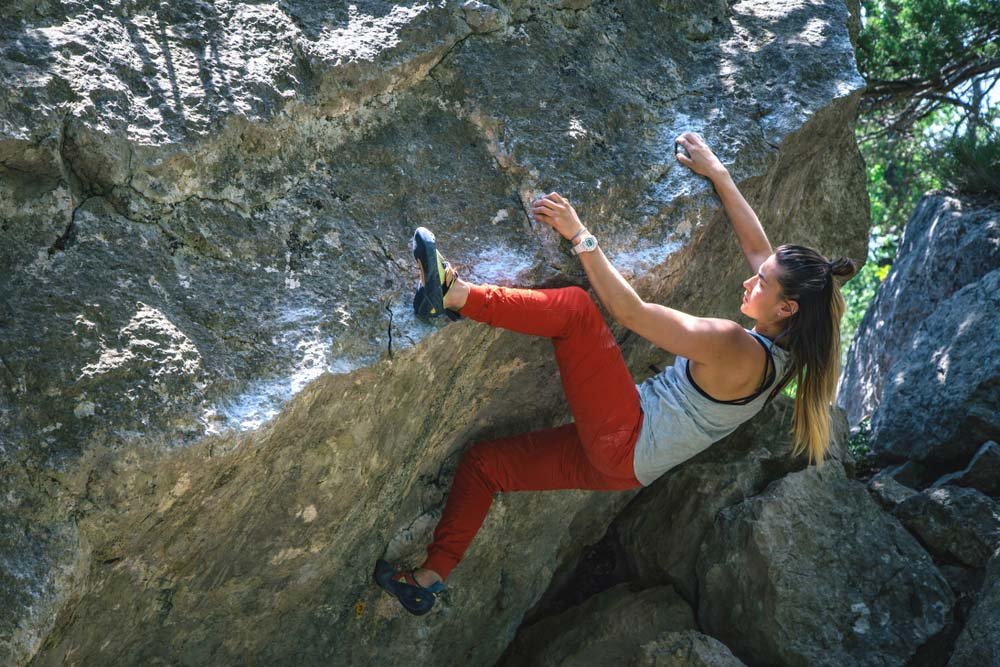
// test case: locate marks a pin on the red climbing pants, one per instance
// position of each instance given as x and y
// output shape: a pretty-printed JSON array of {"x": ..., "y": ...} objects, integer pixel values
[{"x": 595, "y": 452}]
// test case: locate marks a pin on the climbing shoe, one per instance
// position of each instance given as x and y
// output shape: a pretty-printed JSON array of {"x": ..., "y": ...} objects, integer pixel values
[
  {"x": 429, "y": 299},
  {"x": 401, "y": 585}
]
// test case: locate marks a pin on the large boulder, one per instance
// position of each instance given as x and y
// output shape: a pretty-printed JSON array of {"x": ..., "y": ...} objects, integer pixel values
[
  {"x": 922, "y": 365},
  {"x": 944, "y": 397},
  {"x": 205, "y": 207},
  {"x": 812, "y": 572},
  {"x": 662, "y": 529}
]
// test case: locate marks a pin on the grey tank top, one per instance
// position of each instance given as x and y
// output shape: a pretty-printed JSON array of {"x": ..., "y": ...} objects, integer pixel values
[{"x": 680, "y": 419}]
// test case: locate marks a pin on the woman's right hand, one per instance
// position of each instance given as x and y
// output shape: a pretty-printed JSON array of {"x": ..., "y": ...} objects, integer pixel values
[
  {"x": 700, "y": 158},
  {"x": 555, "y": 211}
]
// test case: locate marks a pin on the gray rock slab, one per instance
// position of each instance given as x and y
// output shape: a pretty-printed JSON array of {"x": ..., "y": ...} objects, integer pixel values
[
  {"x": 982, "y": 473},
  {"x": 608, "y": 628},
  {"x": 951, "y": 371},
  {"x": 955, "y": 523},
  {"x": 979, "y": 643},
  {"x": 687, "y": 649},
  {"x": 812, "y": 572},
  {"x": 955, "y": 240}
]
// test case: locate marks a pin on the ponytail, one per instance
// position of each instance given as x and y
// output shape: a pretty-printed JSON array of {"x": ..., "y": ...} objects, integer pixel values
[{"x": 813, "y": 338}]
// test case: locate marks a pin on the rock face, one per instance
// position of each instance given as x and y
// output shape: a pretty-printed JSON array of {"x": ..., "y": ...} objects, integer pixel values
[
  {"x": 205, "y": 210},
  {"x": 921, "y": 350},
  {"x": 790, "y": 577}
]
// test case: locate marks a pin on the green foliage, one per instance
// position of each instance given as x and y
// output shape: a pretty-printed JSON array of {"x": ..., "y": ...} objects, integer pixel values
[
  {"x": 916, "y": 55},
  {"x": 906, "y": 39},
  {"x": 926, "y": 122},
  {"x": 858, "y": 443},
  {"x": 791, "y": 389},
  {"x": 971, "y": 162}
]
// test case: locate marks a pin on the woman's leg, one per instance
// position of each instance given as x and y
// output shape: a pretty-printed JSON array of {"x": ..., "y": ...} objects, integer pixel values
[
  {"x": 598, "y": 385},
  {"x": 544, "y": 460}
]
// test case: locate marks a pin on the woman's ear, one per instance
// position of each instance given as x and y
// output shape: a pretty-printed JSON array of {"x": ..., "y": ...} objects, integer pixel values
[{"x": 788, "y": 308}]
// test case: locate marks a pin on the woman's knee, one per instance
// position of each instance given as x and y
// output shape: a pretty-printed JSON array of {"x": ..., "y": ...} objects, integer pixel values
[
  {"x": 479, "y": 460},
  {"x": 578, "y": 296},
  {"x": 580, "y": 302}
]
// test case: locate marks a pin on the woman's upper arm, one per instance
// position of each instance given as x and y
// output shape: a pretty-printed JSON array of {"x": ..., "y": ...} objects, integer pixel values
[{"x": 703, "y": 339}]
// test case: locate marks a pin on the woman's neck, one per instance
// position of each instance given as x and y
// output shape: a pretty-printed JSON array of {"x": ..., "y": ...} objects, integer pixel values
[{"x": 769, "y": 329}]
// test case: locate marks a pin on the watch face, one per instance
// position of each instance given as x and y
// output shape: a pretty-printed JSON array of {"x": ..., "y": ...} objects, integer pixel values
[{"x": 589, "y": 243}]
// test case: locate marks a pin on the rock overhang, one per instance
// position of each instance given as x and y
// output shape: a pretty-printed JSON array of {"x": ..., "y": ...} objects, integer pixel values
[{"x": 270, "y": 229}]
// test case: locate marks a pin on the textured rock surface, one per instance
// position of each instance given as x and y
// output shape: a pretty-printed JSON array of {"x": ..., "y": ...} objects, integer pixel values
[
  {"x": 953, "y": 373},
  {"x": 687, "y": 649},
  {"x": 956, "y": 242},
  {"x": 267, "y": 549},
  {"x": 812, "y": 572},
  {"x": 979, "y": 643},
  {"x": 609, "y": 628},
  {"x": 663, "y": 528},
  {"x": 205, "y": 206},
  {"x": 956, "y": 524},
  {"x": 887, "y": 492},
  {"x": 982, "y": 473}
]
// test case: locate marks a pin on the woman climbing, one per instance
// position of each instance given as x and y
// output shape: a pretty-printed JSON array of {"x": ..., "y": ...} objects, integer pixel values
[{"x": 624, "y": 435}]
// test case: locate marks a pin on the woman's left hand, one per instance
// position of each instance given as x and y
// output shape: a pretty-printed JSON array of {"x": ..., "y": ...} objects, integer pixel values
[{"x": 555, "y": 211}]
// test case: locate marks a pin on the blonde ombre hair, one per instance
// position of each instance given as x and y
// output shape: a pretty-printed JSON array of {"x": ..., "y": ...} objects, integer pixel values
[{"x": 813, "y": 338}]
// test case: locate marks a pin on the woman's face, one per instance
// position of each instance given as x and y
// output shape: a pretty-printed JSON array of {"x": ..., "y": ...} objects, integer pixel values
[{"x": 762, "y": 298}]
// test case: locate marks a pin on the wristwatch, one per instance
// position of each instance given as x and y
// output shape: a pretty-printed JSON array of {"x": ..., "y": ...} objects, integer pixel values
[{"x": 586, "y": 244}]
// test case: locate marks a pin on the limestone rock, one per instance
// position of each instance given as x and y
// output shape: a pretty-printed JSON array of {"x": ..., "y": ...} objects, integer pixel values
[
  {"x": 956, "y": 241},
  {"x": 609, "y": 628},
  {"x": 982, "y": 473},
  {"x": 687, "y": 649},
  {"x": 955, "y": 523},
  {"x": 812, "y": 572},
  {"x": 205, "y": 210},
  {"x": 263, "y": 543},
  {"x": 979, "y": 643}
]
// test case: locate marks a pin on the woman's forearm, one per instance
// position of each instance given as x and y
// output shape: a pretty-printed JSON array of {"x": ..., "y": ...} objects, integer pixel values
[
  {"x": 748, "y": 229},
  {"x": 612, "y": 289},
  {"x": 750, "y": 233}
]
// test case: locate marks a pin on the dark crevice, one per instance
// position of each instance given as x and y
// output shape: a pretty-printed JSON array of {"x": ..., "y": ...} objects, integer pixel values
[
  {"x": 388, "y": 309},
  {"x": 66, "y": 239}
]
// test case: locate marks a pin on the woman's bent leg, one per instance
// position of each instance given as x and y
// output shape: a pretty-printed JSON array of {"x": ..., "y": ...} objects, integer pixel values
[
  {"x": 544, "y": 460},
  {"x": 598, "y": 385}
]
